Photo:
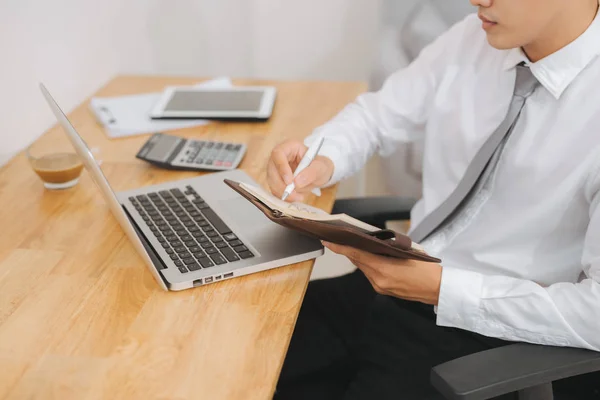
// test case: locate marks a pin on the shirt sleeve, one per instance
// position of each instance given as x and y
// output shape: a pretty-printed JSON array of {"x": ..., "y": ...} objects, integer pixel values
[
  {"x": 378, "y": 121},
  {"x": 563, "y": 314}
]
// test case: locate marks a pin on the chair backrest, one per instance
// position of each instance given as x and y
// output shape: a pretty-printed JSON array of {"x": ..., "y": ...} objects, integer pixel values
[{"x": 427, "y": 20}]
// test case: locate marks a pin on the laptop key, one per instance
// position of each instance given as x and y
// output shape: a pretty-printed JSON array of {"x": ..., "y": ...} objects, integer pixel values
[
  {"x": 222, "y": 245},
  {"x": 169, "y": 251},
  {"x": 194, "y": 249},
  {"x": 234, "y": 243},
  {"x": 212, "y": 234},
  {"x": 186, "y": 237},
  {"x": 216, "y": 239},
  {"x": 178, "y": 263},
  {"x": 174, "y": 257},
  {"x": 190, "y": 243},
  {"x": 183, "y": 269},
  {"x": 229, "y": 254},
  {"x": 206, "y": 245},
  {"x": 165, "y": 245},
  {"x": 206, "y": 262},
  {"x": 246, "y": 254},
  {"x": 179, "y": 249},
  {"x": 240, "y": 249},
  {"x": 218, "y": 259},
  {"x": 194, "y": 267},
  {"x": 199, "y": 254},
  {"x": 161, "y": 239},
  {"x": 203, "y": 239},
  {"x": 229, "y": 236},
  {"x": 207, "y": 228},
  {"x": 189, "y": 261},
  {"x": 211, "y": 250},
  {"x": 216, "y": 221}
]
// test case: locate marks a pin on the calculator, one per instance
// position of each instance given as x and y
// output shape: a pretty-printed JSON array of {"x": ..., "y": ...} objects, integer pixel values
[{"x": 174, "y": 152}]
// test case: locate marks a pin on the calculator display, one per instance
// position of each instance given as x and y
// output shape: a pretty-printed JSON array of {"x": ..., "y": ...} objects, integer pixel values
[{"x": 162, "y": 148}]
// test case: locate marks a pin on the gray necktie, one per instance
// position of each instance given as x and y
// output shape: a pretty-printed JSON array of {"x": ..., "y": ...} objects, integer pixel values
[{"x": 525, "y": 85}]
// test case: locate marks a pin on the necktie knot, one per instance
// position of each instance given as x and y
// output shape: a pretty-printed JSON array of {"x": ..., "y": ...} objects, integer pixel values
[{"x": 526, "y": 82}]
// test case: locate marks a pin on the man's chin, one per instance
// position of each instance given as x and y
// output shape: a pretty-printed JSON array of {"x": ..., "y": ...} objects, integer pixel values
[{"x": 499, "y": 42}]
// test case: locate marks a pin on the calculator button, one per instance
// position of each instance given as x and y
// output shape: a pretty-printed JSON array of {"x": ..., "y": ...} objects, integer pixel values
[
  {"x": 218, "y": 163},
  {"x": 218, "y": 146},
  {"x": 227, "y": 164}
]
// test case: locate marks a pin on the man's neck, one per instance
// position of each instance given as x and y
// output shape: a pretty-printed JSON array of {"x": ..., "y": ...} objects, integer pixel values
[{"x": 564, "y": 30}]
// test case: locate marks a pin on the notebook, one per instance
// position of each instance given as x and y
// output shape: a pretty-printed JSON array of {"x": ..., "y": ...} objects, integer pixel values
[{"x": 336, "y": 228}]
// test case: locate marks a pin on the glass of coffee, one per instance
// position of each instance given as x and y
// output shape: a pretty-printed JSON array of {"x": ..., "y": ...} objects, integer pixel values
[{"x": 56, "y": 163}]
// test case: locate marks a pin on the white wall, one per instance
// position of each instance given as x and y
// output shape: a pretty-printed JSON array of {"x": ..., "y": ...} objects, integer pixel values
[
  {"x": 71, "y": 46},
  {"x": 75, "y": 46}
]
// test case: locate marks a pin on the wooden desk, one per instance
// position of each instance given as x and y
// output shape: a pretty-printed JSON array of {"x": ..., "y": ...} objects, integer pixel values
[{"x": 80, "y": 315}]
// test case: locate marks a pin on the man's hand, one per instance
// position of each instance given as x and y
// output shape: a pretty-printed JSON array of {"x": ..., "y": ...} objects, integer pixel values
[
  {"x": 406, "y": 279},
  {"x": 284, "y": 161}
]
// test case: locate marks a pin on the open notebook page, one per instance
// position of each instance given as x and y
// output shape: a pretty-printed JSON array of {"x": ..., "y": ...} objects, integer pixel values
[{"x": 301, "y": 210}]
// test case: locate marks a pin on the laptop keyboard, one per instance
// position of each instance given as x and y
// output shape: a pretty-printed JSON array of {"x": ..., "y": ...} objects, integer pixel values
[{"x": 191, "y": 233}]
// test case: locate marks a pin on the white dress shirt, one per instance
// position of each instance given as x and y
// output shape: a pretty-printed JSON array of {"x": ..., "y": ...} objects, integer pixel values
[{"x": 526, "y": 265}]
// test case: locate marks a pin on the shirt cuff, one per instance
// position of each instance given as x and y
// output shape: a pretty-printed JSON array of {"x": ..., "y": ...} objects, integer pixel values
[
  {"x": 460, "y": 298},
  {"x": 330, "y": 150}
]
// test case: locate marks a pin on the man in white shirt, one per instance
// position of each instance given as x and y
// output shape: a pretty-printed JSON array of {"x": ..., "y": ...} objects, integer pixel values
[{"x": 508, "y": 107}]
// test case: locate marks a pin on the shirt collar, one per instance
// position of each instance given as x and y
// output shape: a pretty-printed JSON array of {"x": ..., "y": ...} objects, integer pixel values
[{"x": 556, "y": 71}]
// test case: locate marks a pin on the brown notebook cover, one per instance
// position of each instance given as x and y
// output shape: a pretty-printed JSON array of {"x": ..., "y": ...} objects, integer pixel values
[{"x": 383, "y": 242}]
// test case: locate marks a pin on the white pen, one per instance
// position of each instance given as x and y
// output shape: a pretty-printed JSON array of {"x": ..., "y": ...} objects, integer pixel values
[{"x": 309, "y": 156}]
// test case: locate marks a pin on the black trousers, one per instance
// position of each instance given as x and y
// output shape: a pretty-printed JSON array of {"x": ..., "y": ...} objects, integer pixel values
[{"x": 351, "y": 343}]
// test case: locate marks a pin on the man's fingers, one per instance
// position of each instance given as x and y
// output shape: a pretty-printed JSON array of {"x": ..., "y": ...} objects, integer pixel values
[
  {"x": 353, "y": 254},
  {"x": 276, "y": 183},
  {"x": 309, "y": 176},
  {"x": 283, "y": 155},
  {"x": 316, "y": 174}
]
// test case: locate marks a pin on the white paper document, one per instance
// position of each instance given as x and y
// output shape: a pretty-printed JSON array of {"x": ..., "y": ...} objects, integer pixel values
[{"x": 130, "y": 115}]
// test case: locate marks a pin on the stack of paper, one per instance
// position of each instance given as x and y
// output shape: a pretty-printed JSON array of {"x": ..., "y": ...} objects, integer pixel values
[{"x": 130, "y": 115}]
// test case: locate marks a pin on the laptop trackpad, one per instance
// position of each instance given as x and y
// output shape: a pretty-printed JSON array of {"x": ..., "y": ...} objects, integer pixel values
[{"x": 244, "y": 214}]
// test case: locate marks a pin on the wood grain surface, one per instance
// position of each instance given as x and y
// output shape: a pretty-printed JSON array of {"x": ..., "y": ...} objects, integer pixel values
[{"x": 80, "y": 315}]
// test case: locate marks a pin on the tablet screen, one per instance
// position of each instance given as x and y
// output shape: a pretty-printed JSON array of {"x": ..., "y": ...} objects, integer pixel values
[{"x": 183, "y": 100}]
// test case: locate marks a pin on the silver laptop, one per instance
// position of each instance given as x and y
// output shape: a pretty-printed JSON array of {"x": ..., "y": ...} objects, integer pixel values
[{"x": 195, "y": 231}]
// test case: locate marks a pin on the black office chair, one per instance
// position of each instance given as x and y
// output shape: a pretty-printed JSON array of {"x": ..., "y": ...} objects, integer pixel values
[{"x": 525, "y": 370}]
